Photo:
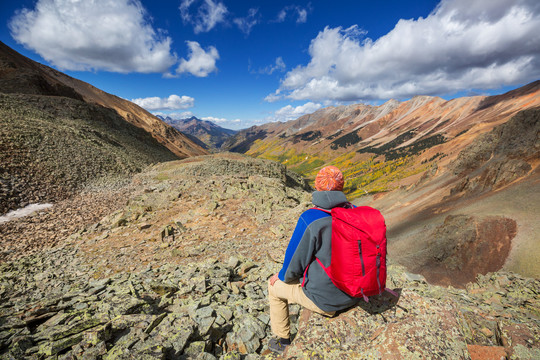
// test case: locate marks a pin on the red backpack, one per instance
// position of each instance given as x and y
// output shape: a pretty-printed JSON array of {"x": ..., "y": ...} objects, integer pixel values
[{"x": 358, "y": 263}]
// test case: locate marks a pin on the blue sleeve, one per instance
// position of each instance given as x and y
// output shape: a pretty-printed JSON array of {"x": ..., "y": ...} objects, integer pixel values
[{"x": 301, "y": 247}]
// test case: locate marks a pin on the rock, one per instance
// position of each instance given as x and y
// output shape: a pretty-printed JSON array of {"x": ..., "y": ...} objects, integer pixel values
[
  {"x": 122, "y": 296},
  {"x": 479, "y": 352},
  {"x": 196, "y": 348},
  {"x": 144, "y": 226},
  {"x": 413, "y": 277},
  {"x": 233, "y": 262}
]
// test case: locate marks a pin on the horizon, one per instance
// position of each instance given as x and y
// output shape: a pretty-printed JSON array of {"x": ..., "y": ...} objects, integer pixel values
[{"x": 240, "y": 65}]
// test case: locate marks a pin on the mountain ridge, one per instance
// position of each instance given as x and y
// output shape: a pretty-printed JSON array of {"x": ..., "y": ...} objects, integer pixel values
[
  {"x": 430, "y": 165},
  {"x": 207, "y": 132}
]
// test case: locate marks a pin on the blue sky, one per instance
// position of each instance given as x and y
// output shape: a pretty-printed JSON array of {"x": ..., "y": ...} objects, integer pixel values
[{"x": 243, "y": 63}]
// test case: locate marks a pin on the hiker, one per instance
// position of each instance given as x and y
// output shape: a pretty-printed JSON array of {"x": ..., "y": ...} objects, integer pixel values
[{"x": 302, "y": 280}]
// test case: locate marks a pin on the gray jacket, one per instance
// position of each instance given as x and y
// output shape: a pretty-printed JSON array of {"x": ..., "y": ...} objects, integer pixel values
[{"x": 312, "y": 238}]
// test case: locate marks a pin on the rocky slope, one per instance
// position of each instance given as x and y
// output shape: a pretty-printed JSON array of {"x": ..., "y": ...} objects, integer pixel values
[
  {"x": 58, "y": 134},
  {"x": 180, "y": 272},
  {"x": 457, "y": 180},
  {"x": 205, "y": 131},
  {"x": 50, "y": 147},
  {"x": 21, "y": 75}
]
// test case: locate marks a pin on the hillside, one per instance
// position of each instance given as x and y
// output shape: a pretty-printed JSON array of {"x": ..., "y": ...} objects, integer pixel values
[
  {"x": 19, "y": 74},
  {"x": 479, "y": 214},
  {"x": 180, "y": 271},
  {"x": 205, "y": 131},
  {"x": 58, "y": 134}
]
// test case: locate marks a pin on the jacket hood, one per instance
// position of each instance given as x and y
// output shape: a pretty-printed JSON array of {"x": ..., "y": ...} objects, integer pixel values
[{"x": 328, "y": 199}]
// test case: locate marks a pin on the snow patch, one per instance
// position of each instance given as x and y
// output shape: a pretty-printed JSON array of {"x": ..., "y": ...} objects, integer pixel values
[{"x": 30, "y": 209}]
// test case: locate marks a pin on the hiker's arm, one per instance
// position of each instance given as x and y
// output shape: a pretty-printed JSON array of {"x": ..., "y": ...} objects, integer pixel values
[{"x": 299, "y": 253}]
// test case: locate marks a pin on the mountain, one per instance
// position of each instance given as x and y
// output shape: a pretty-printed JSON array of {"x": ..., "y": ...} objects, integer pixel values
[
  {"x": 408, "y": 135},
  {"x": 457, "y": 181},
  {"x": 59, "y": 133},
  {"x": 205, "y": 131}
]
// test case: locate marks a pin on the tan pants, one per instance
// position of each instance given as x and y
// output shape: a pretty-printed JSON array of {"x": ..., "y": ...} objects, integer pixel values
[{"x": 280, "y": 296}]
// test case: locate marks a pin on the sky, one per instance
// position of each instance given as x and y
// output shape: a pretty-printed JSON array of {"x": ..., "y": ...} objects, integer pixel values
[{"x": 245, "y": 63}]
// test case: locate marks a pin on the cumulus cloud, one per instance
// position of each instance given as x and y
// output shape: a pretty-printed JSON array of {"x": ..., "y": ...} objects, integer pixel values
[
  {"x": 214, "y": 119},
  {"x": 111, "y": 35},
  {"x": 208, "y": 15},
  {"x": 460, "y": 45},
  {"x": 200, "y": 63},
  {"x": 296, "y": 11},
  {"x": 247, "y": 23},
  {"x": 223, "y": 122},
  {"x": 290, "y": 112},
  {"x": 173, "y": 102}
]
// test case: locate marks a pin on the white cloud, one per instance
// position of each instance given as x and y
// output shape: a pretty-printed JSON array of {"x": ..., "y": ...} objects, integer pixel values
[
  {"x": 174, "y": 115},
  {"x": 294, "y": 11},
  {"x": 200, "y": 63},
  {"x": 173, "y": 102},
  {"x": 111, "y": 35},
  {"x": 291, "y": 113},
  {"x": 209, "y": 14},
  {"x": 460, "y": 45},
  {"x": 279, "y": 65},
  {"x": 247, "y": 23},
  {"x": 223, "y": 122},
  {"x": 214, "y": 119}
]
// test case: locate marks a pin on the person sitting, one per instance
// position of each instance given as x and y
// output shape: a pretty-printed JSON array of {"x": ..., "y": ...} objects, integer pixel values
[{"x": 302, "y": 280}]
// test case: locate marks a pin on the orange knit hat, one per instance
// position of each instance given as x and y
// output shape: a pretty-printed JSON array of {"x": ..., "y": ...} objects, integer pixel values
[{"x": 329, "y": 178}]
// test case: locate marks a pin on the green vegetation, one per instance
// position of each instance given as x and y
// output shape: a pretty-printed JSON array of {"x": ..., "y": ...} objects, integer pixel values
[
  {"x": 366, "y": 172},
  {"x": 335, "y": 135},
  {"x": 307, "y": 136},
  {"x": 410, "y": 150},
  {"x": 346, "y": 140}
]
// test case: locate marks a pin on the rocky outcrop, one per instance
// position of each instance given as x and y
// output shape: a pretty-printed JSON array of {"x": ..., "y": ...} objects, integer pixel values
[
  {"x": 213, "y": 309},
  {"x": 501, "y": 156},
  {"x": 180, "y": 272},
  {"x": 497, "y": 314},
  {"x": 197, "y": 310}
]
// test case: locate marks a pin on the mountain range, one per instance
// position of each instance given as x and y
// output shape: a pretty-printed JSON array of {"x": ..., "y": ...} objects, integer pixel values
[{"x": 205, "y": 133}]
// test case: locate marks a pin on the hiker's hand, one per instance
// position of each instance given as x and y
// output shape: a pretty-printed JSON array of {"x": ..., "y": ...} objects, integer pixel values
[{"x": 273, "y": 279}]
